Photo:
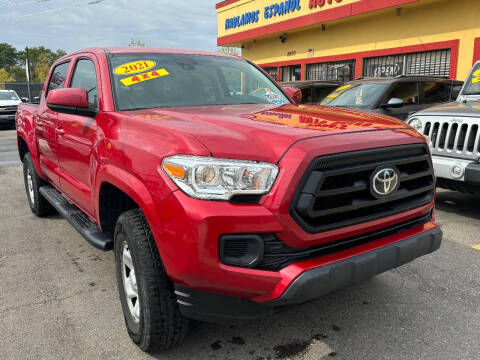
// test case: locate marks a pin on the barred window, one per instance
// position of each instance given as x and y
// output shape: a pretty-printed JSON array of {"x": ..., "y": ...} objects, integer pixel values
[
  {"x": 272, "y": 71},
  {"x": 336, "y": 70},
  {"x": 434, "y": 63}
]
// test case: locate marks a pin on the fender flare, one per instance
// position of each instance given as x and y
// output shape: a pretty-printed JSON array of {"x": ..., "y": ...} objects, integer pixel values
[
  {"x": 131, "y": 185},
  {"x": 27, "y": 134}
]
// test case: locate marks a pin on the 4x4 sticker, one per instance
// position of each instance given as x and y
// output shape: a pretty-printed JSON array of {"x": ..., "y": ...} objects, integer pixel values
[
  {"x": 135, "y": 79},
  {"x": 134, "y": 67}
]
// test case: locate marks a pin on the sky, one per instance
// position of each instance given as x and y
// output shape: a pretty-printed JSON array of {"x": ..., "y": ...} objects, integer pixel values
[{"x": 76, "y": 24}]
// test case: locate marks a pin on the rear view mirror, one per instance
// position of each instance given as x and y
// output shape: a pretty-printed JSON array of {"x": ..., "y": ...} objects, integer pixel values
[
  {"x": 393, "y": 103},
  {"x": 70, "y": 101},
  {"x": 294, "y": 93}
]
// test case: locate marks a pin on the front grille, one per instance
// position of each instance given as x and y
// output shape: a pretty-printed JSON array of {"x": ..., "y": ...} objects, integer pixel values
[
  {"x": 8, "y": 110},
  {"x": 335, "y": 190},
  {"x": 453, "y": 137},
  {"x": 277, "y": 255}
]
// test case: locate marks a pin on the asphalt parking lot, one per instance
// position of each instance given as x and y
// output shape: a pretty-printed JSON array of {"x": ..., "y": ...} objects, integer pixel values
[{"x": 58, "y": 298}]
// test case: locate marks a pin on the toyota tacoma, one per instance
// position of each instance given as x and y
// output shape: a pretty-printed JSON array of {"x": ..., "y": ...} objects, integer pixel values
[{"x": 222, "y": 199}]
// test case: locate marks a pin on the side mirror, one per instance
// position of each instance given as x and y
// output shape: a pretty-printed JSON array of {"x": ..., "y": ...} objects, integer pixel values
[
  {"x": 294, "y": 93},
  {"x": 70, "y": 101},
  {"x": 393, "y": 103}
]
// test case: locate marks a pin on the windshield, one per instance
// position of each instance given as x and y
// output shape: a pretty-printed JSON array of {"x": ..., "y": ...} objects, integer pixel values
[
  {"x": 8, "y": 95},
  {"x": 472, "y": 86},
  {"x": 162, "y": 80},
  {"x": 359, "y": 96}
]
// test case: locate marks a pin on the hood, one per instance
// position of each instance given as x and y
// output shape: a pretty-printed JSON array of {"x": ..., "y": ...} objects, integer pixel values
[
  {"x": 468, "y": 109},
  {"x": 262, "y": 132},
  {"x": 9, "y": 102}
]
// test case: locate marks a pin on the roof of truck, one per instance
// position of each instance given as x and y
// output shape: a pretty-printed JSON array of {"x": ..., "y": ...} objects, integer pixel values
[{"x": 133, "y": 50}]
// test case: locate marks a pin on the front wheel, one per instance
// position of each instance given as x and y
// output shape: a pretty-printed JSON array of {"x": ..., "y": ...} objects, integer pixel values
[{"x": 149, "y": 305}]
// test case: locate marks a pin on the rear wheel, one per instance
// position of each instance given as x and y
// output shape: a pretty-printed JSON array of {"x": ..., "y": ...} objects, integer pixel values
[
  {"x": 149, "y": 305},
  {"x": 38, "y": 204}
]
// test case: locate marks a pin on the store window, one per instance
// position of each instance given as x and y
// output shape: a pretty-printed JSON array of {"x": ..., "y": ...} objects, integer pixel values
[
  {"x": 337, "y": 70},
  {"x": 272, "y": 71},
  {"x": 291, "y": 73},
  {"x": 434, "y": 63}
]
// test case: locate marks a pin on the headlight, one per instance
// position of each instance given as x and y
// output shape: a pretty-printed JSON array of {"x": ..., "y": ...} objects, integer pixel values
[
  {"x": 219, "y": 179},
  {"x": 416, "y": 124}
]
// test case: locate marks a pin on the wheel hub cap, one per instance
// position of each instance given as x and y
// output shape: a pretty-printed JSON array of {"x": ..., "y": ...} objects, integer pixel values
[{"x": 130, "y": 283}]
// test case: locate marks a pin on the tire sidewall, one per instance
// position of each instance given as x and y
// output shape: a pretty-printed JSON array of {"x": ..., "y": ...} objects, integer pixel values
[
  {"x": 28, "y": 166},
  {"x": 122, "y": 234}
]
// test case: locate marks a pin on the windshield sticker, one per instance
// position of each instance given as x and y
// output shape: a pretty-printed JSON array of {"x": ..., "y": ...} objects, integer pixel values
[
  {"x": 476, "y": 77},
  {"x": 134, "y": 67},
  {"x": 339, "y": 90},
  {"x": 272, "y": 97},
  {"x": 135, "y": 79}
]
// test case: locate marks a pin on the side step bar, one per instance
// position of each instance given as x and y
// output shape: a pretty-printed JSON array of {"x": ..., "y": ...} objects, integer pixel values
[{"x": 77, "y": 218}]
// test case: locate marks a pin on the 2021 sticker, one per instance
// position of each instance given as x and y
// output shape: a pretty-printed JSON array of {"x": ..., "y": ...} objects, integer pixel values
[{"x": 134, "y": 67}]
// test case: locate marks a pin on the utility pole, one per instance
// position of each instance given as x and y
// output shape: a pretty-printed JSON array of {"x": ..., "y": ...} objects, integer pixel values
[{"x": 27, "y": 68}]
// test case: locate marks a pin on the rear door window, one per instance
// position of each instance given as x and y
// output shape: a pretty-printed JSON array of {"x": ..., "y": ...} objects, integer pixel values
[
  {"x": 57, "y": 80},
  {"x": 407, "y": 91},
  {"x": 436, "y": 92}
]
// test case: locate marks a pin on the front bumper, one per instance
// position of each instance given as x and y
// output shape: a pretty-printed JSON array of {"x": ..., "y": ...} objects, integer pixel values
[
  {"x": 7, "y": 119},
  {"x": 469, "y": 170},
  {"x": 310, "y": 284}
]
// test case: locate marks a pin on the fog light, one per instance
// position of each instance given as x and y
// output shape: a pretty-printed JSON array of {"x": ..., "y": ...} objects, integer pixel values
[
  {"x": 241, "y": 250},
  {"x": 457, "y": 171}
]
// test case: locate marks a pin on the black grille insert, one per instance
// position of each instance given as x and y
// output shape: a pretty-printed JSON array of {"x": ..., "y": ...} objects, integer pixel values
[
  {"x": 277, "y": 255},
  {"x": 335, "y": 190}
]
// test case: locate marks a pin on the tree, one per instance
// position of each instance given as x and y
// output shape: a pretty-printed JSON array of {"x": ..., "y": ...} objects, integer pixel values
[
  {"x": 5, "y": 77},
  {"x": 41, "y": 70},
  {"x": 228, "y": 50},
  {"x": 136, "y": 43},
  {"x": 8, "y": 56}
]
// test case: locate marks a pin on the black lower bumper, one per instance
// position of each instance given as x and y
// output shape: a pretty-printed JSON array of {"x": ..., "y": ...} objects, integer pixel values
[
  {"x": 310, "y": 284},
  {"x": 472, "y": 174}
]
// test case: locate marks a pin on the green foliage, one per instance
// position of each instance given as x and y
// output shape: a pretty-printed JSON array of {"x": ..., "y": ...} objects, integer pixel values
[
  {"x": 8, "y": 56},
  {"x": 5, "y": 76},
  {"x": 228, "y": 50},
  {"x": 136, "y": 43},
  {"x": 41, "y": 59}
]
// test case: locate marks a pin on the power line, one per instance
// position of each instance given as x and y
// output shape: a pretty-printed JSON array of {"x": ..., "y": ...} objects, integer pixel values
[
  {"x": 12, "y": 3},
  {"x": 57, "y": 9}
]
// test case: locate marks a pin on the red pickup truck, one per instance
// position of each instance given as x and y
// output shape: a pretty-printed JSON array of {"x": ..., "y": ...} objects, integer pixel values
[{"x": 222, "y": 198}]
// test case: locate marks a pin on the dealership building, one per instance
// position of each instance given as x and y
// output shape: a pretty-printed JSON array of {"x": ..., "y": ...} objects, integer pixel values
[{"x": 348, "y": 39}]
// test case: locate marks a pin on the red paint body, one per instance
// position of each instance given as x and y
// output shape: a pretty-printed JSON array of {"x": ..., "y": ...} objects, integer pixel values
[{"x": 125, "y": 149}]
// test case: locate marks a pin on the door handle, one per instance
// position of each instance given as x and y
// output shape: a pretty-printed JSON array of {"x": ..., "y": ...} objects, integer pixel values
[{"x": 60, "y": 131}]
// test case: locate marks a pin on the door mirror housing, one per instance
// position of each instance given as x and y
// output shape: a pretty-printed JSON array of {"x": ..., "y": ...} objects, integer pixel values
[
  {"x": 70, "y": 101},
  {"x": 393, "y": 103},
  {"x": 294, "y": 93}
]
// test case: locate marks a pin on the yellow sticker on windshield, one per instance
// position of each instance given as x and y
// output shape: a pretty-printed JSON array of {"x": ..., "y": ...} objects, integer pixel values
[
  {"x": 339, "y": 90},
  {"x": 134, "y": 67},
  {"x": 476, "y": 77},
  {"x": 344, "y": 87},
  {"x": 135, "y": 79}
]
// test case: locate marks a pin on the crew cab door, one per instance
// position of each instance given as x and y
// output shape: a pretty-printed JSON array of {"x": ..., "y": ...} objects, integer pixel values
[
  {"x": 46, "y": 126},
  {"x": 77, "y": 135}
]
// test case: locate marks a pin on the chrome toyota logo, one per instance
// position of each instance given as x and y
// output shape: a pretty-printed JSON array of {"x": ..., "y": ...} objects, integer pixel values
[{"x": 384, "y": 181}]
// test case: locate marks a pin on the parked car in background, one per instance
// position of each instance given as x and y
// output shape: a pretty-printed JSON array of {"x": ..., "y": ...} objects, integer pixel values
[
  {"x": 9, "y": 101},
  {"x": 398, "y": 97},
  {"x": 313, "y": 91},
  {"x": 454, "y": 134}
]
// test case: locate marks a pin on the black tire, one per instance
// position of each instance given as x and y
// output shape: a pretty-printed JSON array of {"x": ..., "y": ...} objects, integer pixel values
[
  {"x": 38, "y": 204},
  {"x": 159, "y": 324}
]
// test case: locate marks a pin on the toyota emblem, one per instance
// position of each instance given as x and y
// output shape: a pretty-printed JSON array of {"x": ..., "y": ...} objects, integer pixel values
[{"x": 384, "y": 181}]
